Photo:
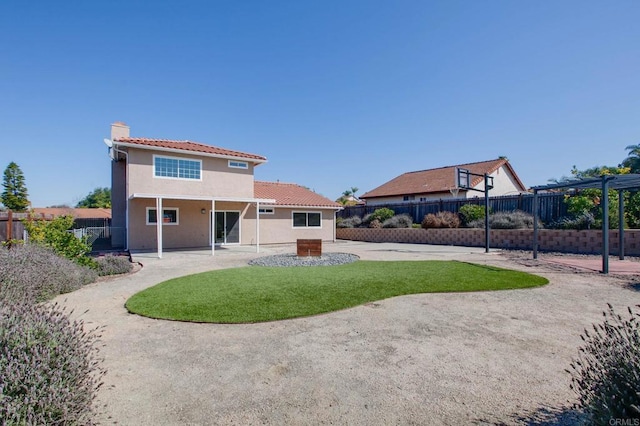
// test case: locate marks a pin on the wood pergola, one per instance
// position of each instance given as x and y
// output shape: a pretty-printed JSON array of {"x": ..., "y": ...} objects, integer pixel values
[{"x": 620, "y": 183}]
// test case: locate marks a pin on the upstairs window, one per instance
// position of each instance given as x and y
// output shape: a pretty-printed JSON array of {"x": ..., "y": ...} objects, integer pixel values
[
  {"x": 307, "y": 220},
  {"x": 176, "y": 168},
  {"x": 238, "y": 164}
]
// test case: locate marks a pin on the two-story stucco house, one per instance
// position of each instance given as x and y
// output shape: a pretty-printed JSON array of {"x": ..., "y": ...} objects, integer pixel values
[
  {"x": 433, "y": 184},
  {"x": 207, "y": 196}
]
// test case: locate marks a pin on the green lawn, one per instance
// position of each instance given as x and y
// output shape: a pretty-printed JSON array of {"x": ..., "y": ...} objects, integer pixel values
[{"x": 255, "y": 294}]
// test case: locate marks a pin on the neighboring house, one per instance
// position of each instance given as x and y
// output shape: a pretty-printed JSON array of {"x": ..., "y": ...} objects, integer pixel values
[
  {"x": 207, "y": 196},
  {"x": 433, "y": 184}
]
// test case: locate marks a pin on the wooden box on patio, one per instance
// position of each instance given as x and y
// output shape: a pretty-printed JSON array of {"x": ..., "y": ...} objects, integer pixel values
[{"x": 309, "y": 247}]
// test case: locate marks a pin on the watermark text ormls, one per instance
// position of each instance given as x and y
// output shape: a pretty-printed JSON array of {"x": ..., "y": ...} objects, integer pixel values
[{"x": 624, "y": 422}]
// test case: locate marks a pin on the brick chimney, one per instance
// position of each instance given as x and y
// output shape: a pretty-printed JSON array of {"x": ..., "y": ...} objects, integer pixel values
[{"x": 119, "y": 130}]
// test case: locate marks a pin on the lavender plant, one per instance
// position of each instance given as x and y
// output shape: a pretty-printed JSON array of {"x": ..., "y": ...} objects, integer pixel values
[
  {"x": 49, "y": 367},
  {"x": 606, "y": 374},
  {"x": 113, "y": 265},
  {"x": 516, "y": 219},
  {"x": 398, "y": 221},
  {"x": 31, "y": 273}
]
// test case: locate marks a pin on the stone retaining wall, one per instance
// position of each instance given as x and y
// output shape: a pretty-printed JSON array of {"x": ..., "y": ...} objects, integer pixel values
[{"x": 568, "y": 241}]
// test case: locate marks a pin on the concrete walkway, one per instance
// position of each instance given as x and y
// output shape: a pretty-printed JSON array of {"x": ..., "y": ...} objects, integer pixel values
[{"x": 488, "y": 357}]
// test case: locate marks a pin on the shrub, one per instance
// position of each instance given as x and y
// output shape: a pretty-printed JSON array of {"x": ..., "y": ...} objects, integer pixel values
[
  {"x": 507, "y": 220},
  {"x": 375, "y": 223},
  {"x": 54, "y": 233},
  {"x": 398, "y": 221},
  {"x": 381, "y": 214},
  {"x": 113, "y": 265},
  {"x": 350, "y": 222},
  {"x": 49, "y": 367},
  {"x": 32, "y": 273},
  {"x": 582, "y": 221},
  {"x": 471, "y": 212},
  {"x": 441, "y": 220},
  {"x": 606, "y": 374}
]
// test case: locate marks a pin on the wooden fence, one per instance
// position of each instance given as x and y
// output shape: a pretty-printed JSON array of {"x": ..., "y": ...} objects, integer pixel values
[
  {"x": 11, "y": 226},
  {"x": 551, "y": 206}
]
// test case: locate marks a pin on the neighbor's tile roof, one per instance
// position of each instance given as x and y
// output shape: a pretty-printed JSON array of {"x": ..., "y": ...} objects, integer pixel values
[
  {"x": 437, "y": 180},
  {"x": 48, "y": 212},
  {"x": 189, "y": 146},
  {"x": 290, "y": 194}
]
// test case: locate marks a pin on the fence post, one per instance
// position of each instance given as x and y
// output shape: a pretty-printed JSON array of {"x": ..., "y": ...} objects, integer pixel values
[{"x": 10, "y": 226}]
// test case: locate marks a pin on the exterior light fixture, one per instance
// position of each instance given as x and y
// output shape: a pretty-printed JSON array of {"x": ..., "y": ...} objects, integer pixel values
[{"x": 203, "y": 211}]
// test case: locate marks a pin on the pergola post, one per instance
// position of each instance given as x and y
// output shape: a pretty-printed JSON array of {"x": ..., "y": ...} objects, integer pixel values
[
  {"x": 486, "y": 213},
  {"x": 535, "y": 223},
  {"x": 621, "y": 224},
  {"x": 212, "y": 219},
  {"x": 605, "y": 224},
  {"x": 258, "y": 227},
  {"x": 159, "y": 221}
]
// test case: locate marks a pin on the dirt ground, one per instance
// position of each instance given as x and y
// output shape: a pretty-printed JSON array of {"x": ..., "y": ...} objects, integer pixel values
[{"x": 474, "y": 358}]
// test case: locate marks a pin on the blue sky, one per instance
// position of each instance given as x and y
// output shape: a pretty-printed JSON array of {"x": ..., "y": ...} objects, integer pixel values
[{"x": 334, "y": 93}]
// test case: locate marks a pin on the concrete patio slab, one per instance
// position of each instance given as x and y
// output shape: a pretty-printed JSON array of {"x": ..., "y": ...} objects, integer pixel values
[{"x": 594, "y": 264}]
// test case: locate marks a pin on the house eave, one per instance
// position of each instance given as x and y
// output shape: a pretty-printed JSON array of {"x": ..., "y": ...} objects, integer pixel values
[{"x": 256, "y": 161}]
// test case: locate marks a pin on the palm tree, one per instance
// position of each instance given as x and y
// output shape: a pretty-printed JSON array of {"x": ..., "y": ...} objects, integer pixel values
[
  {"x": 633, "y": 158},
  {"x": 354, "y": 189}
]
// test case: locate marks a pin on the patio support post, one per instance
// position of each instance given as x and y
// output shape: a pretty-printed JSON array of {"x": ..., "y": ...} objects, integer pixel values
[
  {"x": 621, "y": 224},
  {"x": 258, "y": 227},
  {"x": 212, "y": 219},
  {"x": 605, "y": 224},
  {"x": 535, "y": 223},
  {"x": 159, "y": 220},
  {"x": 486, "y": 213}
]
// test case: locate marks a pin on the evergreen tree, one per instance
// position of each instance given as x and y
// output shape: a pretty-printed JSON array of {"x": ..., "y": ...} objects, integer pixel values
[{"x": 14, "y": 196}]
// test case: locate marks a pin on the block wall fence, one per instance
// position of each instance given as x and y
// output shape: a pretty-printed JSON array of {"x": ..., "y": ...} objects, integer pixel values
[{"x": 566, "y": 241}]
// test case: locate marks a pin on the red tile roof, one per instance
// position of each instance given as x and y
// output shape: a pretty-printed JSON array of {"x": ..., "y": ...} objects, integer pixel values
[
  {"x": 437, "y": 180},
  {"x": 189, "y": 146},
  {"x": 290, "y": 194},
  {"x": 48, "y": 212}
]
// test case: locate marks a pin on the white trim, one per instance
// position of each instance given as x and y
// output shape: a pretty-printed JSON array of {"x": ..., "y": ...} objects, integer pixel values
[
  {"x": 238, "y": 164},
  {"x": 307, "y": 226},
  {"x": 298, "y": 206},
  {"x": 177, "y": 222},
  {"x": 205, "y": 198},
  {"x": 153, "y": 168},
  {"x": 267, "y": 210},
  {"x": 187, "y": 152}
]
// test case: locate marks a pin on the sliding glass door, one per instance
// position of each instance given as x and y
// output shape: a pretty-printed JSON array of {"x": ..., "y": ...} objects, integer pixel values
[{"x": 227, "y": 227}]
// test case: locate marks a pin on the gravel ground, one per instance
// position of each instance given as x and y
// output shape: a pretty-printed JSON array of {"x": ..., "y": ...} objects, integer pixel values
[
  {"x": 465, "y": 358},
  {"x": 286, "y": 260}
]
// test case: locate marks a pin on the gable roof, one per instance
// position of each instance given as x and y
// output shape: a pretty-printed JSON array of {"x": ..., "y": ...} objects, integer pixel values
[
  {"x": 77, "y": 213},
  {"x": 190, "y": 146},
  {"x": 441, "y": 179},
  {"x": 291, "y": 195}
]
